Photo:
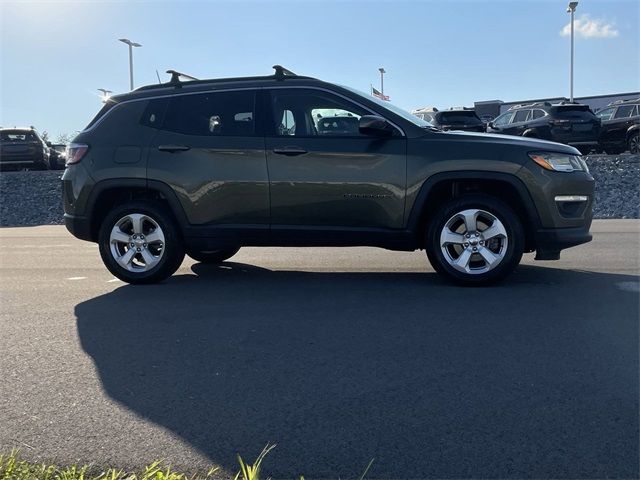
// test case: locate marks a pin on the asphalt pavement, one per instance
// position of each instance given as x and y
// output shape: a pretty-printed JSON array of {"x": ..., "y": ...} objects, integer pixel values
[{"x": 336, "y": 355}]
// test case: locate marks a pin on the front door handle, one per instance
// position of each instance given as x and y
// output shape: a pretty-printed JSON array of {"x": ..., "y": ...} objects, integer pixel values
[
  {"x": 290, "y": 151},
  {"x": 173, "y": 148}
]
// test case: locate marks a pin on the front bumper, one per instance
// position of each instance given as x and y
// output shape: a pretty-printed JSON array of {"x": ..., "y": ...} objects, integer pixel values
[{"x": 549, "y": 241}]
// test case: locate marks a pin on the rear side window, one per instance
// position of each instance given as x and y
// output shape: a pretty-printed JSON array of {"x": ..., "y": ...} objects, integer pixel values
[
  {"x": 624, "y": 111},
  {"x": 537, "y": 114},
  {"x": 521, "y": 116},
  {"x": 154, "y": 113},
  {"x": 107, "y": 106},
  {"x": 212, "y": 114}
]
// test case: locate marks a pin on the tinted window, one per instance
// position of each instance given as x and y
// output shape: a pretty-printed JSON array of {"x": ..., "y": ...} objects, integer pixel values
[
  {"x": 624, "y": 111},
  {"x": 462, "y": 118},
  {"x": 503, "y": 119},
  {"x": 18, "y": 136},
  {"x": 538, "y": 114},
  {"x": 212, "y": 114},
  {"x": 153, "y": 114},
  {"x": 574, "y": 112},
  {"x": 301, "y": 112},
  {"x": 521, "y": 116},
  {"x": 606, "y": 114}
]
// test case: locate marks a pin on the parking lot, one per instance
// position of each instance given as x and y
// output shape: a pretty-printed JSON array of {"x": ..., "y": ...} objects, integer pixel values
[{"x": 336, "y": 355}]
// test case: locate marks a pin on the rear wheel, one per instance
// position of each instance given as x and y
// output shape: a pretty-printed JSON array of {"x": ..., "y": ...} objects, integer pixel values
[
  {"x": 213, "y": 256},
  {"x": 140, "y": 243},
  {"x": 475, "y": 240},
  {"x": 634, "y": 143}
]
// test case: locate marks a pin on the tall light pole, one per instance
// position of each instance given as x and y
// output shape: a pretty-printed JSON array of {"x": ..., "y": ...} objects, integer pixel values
[
  {"x": 571, "y": 9},
  {"x": 131, "y": 45},
  {"x": 382, "y": 72}
]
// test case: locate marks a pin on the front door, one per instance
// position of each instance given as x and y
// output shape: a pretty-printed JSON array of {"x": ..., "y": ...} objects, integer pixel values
[{"x": 323, "y": 171}]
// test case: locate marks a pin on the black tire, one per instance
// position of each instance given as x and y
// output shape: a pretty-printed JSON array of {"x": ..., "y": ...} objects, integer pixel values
[
  {"x": 213, "y": 256},
  {"x": 514, "y": 234},
  {"x": 173, "y": 248},
  {"x": 633, "y": 144}
]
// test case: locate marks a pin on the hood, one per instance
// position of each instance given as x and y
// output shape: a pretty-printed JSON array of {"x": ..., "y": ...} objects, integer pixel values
[{"x": 524, "y": 142}]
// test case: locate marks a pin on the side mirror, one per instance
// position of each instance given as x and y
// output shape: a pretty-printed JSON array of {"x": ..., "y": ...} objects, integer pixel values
[{"x": 375, "y": 125}]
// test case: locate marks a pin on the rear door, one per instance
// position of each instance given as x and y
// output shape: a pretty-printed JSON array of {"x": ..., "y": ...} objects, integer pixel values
[
  {"x": 520, "y": 122},
  {"x": 323, "y": 171},
  {"x": 211, "y": 152}
]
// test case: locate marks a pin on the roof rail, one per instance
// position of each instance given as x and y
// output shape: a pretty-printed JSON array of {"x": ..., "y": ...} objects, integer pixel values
[
  {"x": 535, "y": 104},
  {"x": 282, "y": 72},
  {"x": 176, "y": 76}
]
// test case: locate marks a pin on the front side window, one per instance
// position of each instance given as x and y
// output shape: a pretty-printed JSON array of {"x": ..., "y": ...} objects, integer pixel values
[
  {"x": 624, "y": 111},
  {"x": 212, "y": 114},
  {"x": 606, "y": 114},
  {"x": 300, "y": 112},
  {"x": 503, "y": 119}
]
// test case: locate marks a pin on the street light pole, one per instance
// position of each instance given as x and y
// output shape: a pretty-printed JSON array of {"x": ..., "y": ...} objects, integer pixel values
[
  {"x": 131, "y": 45},
  {"x": 382, "y": 72},
  {"x": 571, "y": 9}
]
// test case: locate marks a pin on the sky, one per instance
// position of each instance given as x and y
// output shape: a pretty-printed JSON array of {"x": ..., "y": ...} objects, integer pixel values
[{"x": 55, "y": 54}]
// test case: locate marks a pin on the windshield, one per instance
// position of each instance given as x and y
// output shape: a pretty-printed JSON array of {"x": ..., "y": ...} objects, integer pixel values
[{"x": 390, "y": 106}]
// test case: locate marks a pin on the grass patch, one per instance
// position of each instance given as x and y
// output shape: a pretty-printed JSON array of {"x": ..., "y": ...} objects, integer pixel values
[{"x": 12, "y": 467}]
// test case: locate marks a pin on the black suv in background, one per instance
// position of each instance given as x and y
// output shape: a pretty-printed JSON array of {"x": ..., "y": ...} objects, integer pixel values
[
  {"x": 23, "y": 149},
  {"x": 570, "y": 123},
  {"x": 620, "y": 127},
  {"x": 454, "y": 119},
  {"x": 58, "y": 155}
]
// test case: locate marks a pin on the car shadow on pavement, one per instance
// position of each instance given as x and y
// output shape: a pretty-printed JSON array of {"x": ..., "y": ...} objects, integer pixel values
[{"x": 537, "y": 377}]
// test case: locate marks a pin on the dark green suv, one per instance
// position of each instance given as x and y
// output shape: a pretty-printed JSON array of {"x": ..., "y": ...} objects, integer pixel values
[{"x": 204, "y": 167}]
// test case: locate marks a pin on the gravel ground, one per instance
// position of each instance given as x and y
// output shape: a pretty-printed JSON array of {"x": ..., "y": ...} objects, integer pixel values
[{"x": 34, "y": 198}]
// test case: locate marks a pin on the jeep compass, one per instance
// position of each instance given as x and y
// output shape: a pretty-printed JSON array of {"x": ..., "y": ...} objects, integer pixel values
[{"x": 205, "y": 167}]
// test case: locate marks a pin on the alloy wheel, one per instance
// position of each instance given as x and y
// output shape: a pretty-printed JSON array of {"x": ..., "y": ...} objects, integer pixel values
[
  {"x": 474, "y": 241},
  {"x": 137, "y": 242}
]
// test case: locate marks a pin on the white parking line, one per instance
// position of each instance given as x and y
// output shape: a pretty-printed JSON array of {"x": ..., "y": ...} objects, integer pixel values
[
  {"x": 114, "y": 280},
  {"x": 77, "y": 278}
]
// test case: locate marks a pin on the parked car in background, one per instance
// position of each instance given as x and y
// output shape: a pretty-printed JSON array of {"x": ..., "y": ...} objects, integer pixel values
[
  {"x": 58, "y": 155},
  {"x": 459, "y": 118},
  {"x": 620, "y": 127},
  {"x": 23, "y": 149},
  {"x": 570, "y": 123}
]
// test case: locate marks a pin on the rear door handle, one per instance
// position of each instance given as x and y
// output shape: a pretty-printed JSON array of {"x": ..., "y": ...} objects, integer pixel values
[
  {"x": 173, "y": 148},
  {"x": 290, "y": 151}
]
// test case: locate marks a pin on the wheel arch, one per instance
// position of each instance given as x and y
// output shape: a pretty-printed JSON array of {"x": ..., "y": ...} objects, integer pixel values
[
  {"x": 445, "y": 186},
  {"x": 108, "y": 193}
]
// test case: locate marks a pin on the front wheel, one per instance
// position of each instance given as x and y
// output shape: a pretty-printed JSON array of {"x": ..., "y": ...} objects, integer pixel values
[
  {"x": 634, "y": 143},
  {"x": 213, "y": 256},
  {"x": 475, "y": 240},
  {"x": 140, "y": 243}
]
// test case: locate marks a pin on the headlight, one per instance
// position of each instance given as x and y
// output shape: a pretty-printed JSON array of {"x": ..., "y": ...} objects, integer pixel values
[{"x": 560, "y": 162}]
